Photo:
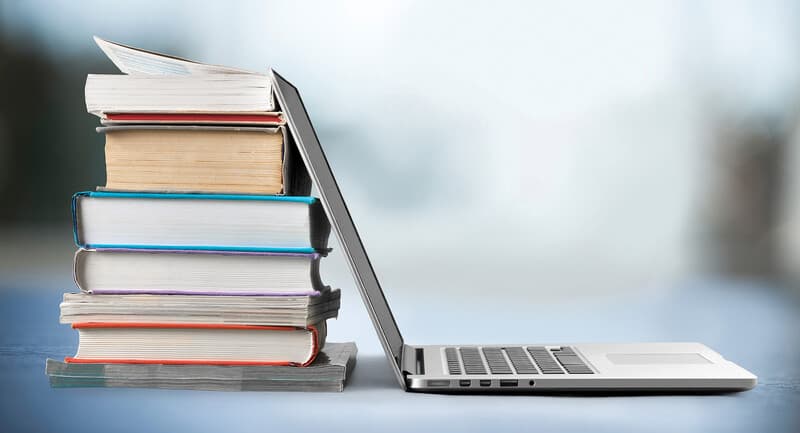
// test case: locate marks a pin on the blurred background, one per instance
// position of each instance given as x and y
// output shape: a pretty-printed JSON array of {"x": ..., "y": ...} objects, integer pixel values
[
  {"x": 565, "y": 150},
  {"x": 519, "y": 172},
  {"x": 531, "y": 153}
]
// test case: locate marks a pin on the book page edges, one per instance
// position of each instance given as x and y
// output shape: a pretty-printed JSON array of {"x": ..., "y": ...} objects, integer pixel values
[{"x": 152, "y": 62}]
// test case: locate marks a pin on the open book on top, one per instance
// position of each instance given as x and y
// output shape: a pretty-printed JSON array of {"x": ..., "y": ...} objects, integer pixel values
[
  {"x": 134, "y": 61},
  {"x": 160, "y": 88}
]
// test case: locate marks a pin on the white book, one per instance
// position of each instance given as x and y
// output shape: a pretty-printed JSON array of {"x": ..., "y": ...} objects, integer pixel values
[
  {"x": 197, "y": 344},
  {"x": 210, "y": 93},
  {"x": 203, "y": 222},
  {"x": 233, "y": 273},
  {"x": 158, "y": 83}
]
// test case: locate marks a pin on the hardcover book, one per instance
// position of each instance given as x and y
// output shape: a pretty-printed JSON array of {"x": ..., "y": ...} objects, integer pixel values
[
  {"x": 196, "y": 272},
  {"x": 196, "y": 343},
  {"x": 260, "y": 223},
  {"x": 205, "y": 159}
]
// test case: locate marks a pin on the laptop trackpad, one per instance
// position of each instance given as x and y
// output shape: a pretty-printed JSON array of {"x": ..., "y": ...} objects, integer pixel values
[{"x": 656, "y": 358}]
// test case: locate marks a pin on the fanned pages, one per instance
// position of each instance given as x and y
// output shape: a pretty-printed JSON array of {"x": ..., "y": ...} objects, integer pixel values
[
  {"x": 157, "y": 83},
  {"x": 297, "y": 311},
  {"x": 328, "y": 372},
  {"x": 133, "y": 61}
]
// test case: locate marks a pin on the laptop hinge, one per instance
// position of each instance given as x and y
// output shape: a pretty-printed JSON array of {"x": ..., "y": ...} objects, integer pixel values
[{"x": 413, "y": 360}]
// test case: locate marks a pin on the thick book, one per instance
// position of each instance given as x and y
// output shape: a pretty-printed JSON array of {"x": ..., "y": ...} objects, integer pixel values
[
  {"x": 158, "y": 83},
  {"x": 205, "y": 159},
  {"x": 196, "y": 272},
  {"x": 329, "y": 372},
  {"x": 142, "y": 64},
  {"x": 209, "y": 93},
  {"x": 196, "y": 343},
  {"x": 209, "y": 222},
  {"x": 298, "y": 311}
]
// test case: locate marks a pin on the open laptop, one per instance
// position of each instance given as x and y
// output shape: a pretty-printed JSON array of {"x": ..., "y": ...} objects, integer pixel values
[{"x": 638, "y": 367}]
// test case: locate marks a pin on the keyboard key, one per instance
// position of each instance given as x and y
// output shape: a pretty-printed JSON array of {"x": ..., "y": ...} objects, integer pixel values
[
  {"x": 522, "y": 364},
  {"x": 572, "y": 363},
  {"x": 496, "y": 361},
  {"x": 453, "y": 366},
  {"x": 569, "y": 359},
  {"x": 578, "y": 369},
  {"x": 473, "y": 364},
  {"x": 541, "y": 356}
]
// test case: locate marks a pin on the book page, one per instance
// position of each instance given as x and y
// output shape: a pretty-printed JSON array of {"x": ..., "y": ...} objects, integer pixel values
[{"x": 135, "y": 61}]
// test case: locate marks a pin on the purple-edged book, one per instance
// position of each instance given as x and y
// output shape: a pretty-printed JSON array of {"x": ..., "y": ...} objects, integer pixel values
[{"x": 196, "y": 272}]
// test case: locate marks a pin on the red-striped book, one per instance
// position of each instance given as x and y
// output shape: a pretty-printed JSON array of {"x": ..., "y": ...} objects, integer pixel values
[
  {"x": 263, "y": 119},
  {"x": 197, "y": 344}
]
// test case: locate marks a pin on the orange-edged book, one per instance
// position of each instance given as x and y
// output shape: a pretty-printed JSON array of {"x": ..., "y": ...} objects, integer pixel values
[{"x": 197, "y": 344}]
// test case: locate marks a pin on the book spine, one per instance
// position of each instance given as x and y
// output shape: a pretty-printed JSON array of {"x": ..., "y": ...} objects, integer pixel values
[
  {"x": 320, "y": 227},
  {"x": 76, "y": 273},
  {"x": 74, "y": 208},
  {"x": 316, "y": 344}
]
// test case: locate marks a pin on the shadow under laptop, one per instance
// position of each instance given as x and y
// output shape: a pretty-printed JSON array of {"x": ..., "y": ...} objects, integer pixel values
[
  {"x": 372, "y": 372},
  {"x": 592, "y": 393}
]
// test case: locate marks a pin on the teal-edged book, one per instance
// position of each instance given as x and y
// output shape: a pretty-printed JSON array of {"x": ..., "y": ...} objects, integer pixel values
[{"x": 215, "y": 222}]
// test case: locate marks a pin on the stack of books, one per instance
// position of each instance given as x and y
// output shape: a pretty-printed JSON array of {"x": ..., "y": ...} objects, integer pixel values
[{"x": 201, "y": 253}]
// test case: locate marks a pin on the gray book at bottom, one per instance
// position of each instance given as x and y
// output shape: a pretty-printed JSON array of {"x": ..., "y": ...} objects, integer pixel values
[{"x": 328, "y": 372}]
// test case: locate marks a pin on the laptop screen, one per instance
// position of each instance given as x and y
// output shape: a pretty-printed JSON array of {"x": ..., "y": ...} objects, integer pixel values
[{"x": 316, "y": 163}]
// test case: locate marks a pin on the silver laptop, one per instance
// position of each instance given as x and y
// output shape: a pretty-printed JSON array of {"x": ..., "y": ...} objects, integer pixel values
[{"x": 625, "y": 367}]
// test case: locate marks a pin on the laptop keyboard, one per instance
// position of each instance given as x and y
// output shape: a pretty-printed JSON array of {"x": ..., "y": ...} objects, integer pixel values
[{"x": 510, "y": 360}]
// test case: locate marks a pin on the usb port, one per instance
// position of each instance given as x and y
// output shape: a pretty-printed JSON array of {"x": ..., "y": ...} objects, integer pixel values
[
  {"x": 486, "y": 383},
  {"x": 464, "y": 382},
  {"x": 508, "y": 382}
]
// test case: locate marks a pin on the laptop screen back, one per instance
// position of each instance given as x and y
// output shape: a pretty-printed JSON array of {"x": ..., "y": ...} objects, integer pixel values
[{"x": 316, "y": 163}]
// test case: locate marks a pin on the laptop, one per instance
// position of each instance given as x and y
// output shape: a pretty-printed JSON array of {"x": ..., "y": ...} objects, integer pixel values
[{"x": 531, "y": 368}]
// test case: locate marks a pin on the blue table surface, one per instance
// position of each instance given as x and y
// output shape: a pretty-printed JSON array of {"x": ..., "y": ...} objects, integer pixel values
[{"x": 753, "y": 324}]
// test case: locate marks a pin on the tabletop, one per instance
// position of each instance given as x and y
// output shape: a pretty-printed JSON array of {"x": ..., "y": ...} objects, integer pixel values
[{"x": 755, "y": 324}]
